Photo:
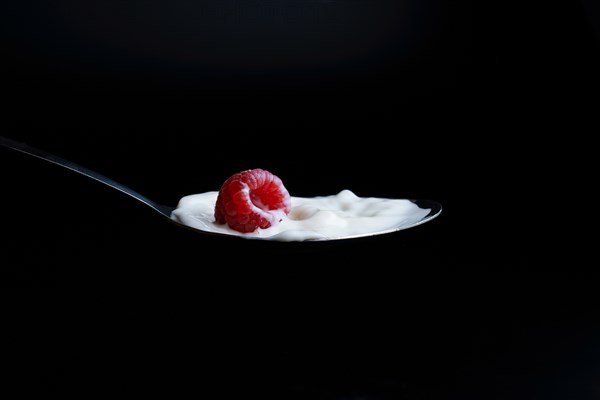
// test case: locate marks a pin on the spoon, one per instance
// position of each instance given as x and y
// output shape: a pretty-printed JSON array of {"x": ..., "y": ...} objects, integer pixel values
[{"x": 422, "y": 210}]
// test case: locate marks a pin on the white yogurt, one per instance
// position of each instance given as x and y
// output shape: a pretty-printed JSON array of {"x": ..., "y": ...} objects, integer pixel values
[{"x": 312, "y": 218}]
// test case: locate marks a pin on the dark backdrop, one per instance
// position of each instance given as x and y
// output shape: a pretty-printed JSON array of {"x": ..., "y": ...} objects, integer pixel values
[{"x": 452, "y": 101}]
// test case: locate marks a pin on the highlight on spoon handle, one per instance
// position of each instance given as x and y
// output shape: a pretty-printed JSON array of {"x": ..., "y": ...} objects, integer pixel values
[{"x": 27, "y": 149}]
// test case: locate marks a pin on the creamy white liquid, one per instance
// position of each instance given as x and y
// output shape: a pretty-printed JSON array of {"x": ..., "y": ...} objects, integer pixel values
[{"x": 311, "y": 218}]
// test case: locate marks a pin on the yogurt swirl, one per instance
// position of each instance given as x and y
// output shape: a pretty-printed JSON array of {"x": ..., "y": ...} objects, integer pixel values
[{"x": 331, "y": 217}]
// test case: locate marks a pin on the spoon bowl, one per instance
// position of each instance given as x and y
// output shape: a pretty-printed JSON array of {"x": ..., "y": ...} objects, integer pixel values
[{"x": 413, "y": 212}]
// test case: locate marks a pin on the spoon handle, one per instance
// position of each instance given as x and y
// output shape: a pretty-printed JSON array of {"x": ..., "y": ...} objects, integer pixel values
[{"x": 27, "y": 149}]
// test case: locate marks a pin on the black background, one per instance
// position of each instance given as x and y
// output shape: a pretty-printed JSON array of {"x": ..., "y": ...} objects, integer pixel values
[{"x": 477, "y": 107}]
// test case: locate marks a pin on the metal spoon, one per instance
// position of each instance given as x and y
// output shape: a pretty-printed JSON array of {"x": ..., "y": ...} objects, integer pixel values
[{"x": 432, "y": 208}]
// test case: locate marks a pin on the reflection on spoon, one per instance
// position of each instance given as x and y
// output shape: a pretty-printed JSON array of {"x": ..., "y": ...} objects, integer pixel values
[{"x": 335, "y": 217}]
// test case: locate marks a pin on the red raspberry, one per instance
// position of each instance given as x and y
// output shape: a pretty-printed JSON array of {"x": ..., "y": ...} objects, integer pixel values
[{"x": 252, "y": 199}]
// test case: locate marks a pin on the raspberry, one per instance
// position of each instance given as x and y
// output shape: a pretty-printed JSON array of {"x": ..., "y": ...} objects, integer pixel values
[{"x": 252, "y": 199}]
